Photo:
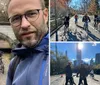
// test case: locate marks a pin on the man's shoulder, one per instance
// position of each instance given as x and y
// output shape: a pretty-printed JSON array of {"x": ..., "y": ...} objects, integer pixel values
[{"x": 13, "y": 60}]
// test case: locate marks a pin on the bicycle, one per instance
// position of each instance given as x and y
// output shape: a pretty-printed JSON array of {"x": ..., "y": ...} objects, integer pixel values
[
  {"x": 66, "y": 25},
  {"x": 85, "y": 26},
  {"x": 95, "y": 22}
]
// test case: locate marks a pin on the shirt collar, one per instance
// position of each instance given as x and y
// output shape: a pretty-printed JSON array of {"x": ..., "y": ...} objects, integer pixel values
[{"x": 42, "y": 46}]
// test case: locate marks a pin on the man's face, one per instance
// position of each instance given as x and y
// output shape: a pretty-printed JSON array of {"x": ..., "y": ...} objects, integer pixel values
[{"x": 29, "y": 32}]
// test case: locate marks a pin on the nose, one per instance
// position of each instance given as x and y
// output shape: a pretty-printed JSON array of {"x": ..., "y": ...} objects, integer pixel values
[{"x": 25, "y": 23}]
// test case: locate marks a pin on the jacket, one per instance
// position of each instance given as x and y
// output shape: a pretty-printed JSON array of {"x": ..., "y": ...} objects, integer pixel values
[
  {"x": 68, "y": 71},
  {"x": 66, "y": 19},
  {"x": 86, "y": 19},
  {"x": 33, "y": 68},
  {"x": 83, "y": 71}
]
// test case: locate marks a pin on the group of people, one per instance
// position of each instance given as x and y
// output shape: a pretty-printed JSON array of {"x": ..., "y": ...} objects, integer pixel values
[
  {"x": 30, "y": 65},
  {"x": 82, "y": 70},
  {"x": 85, "y": 19}
]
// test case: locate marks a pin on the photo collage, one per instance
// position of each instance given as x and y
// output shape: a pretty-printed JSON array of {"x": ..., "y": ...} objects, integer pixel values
[{"x": 49, "y": 42}]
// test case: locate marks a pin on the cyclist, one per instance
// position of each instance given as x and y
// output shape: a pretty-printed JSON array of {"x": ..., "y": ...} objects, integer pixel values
[
  {"x": 76, "y": 18},
  {"x": 95, "y": 20},
  {"x": 86, "y": 19},
  {"x": 66, "y": 21}
]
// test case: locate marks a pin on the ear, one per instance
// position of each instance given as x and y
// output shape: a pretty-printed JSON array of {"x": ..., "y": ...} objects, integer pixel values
[{"x": 45, "y": 13}]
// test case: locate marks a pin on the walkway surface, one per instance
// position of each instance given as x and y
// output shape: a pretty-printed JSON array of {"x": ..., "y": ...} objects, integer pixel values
[{"x": 58, "y": 80}]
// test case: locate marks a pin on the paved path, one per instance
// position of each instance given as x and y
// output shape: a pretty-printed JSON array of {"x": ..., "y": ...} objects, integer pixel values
[
  {"x": 58, "y": 80},
  {"x": 77, "y": 33}
]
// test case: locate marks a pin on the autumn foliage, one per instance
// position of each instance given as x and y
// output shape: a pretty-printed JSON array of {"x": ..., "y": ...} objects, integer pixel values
[
  {"x": 92, "y": 8},
  {"x": 60, "y": 3}
]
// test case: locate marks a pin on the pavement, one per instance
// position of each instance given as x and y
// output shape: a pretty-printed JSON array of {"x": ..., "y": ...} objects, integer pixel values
[
  {"x": 58, "y": 80},
  {"x": 77, "y": 33}
]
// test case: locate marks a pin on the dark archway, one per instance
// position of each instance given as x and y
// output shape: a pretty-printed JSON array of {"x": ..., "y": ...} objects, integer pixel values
[{"x": 7, "y": 38}]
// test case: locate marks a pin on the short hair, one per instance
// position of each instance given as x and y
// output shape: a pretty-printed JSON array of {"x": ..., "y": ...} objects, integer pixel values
[{"x": 42, "y": 3}]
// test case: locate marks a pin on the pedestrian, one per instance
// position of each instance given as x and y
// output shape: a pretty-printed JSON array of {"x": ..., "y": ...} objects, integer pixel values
[
  {"x": 83, "y": 74},
  {"x": 76, "y": 18},
  {"x": 30, "y": 66},
  {"x": 86, "y": 19},
  {"x": 66, "y": 20},
  {"x": 69, "y": 74}
]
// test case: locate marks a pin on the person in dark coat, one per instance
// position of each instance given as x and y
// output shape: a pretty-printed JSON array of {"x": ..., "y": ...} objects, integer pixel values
[
  {"x": 66, "y": 21},
  {"x": 86, "y": 20},
  {"x": 69, "y": 74},
  {"x": 83, "y": 74}
]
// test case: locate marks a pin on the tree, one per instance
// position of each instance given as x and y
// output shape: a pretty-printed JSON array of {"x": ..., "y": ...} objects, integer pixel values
[
  {"x": 97, "y": 66},
  {"x": 84, "y": 5},
  {"x": 3, "y": 12},
  {"x": 58, "y": 62},
  {"x": 92, "y": 7},
  {"x": 98, "y": 6}
]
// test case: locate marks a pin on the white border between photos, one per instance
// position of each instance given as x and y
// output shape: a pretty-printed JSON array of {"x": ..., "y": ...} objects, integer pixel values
[{"x": 49, "y": 41}]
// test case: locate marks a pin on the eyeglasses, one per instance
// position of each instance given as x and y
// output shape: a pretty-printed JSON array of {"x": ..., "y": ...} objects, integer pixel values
[{"x": 31, "y": 16}]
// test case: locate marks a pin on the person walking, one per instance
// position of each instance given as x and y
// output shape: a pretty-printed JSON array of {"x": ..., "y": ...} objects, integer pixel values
[
  {"x": 69, "y": 74},
  {"x": 83, "y": 74}
]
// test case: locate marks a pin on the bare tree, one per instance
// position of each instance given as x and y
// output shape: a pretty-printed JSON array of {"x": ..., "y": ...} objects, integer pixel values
[
  {"x": 84, "y": 5},
  {"x": 92, "y": 7}
]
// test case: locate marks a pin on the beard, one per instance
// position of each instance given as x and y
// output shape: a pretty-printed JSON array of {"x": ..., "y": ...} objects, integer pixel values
[{"x": 32, "y": 39}]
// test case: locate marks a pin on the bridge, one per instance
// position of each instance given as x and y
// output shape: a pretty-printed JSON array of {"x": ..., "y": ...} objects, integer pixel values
[
  {"x": 7, "y": 35},
  {"x": 6, "y": 30}
]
